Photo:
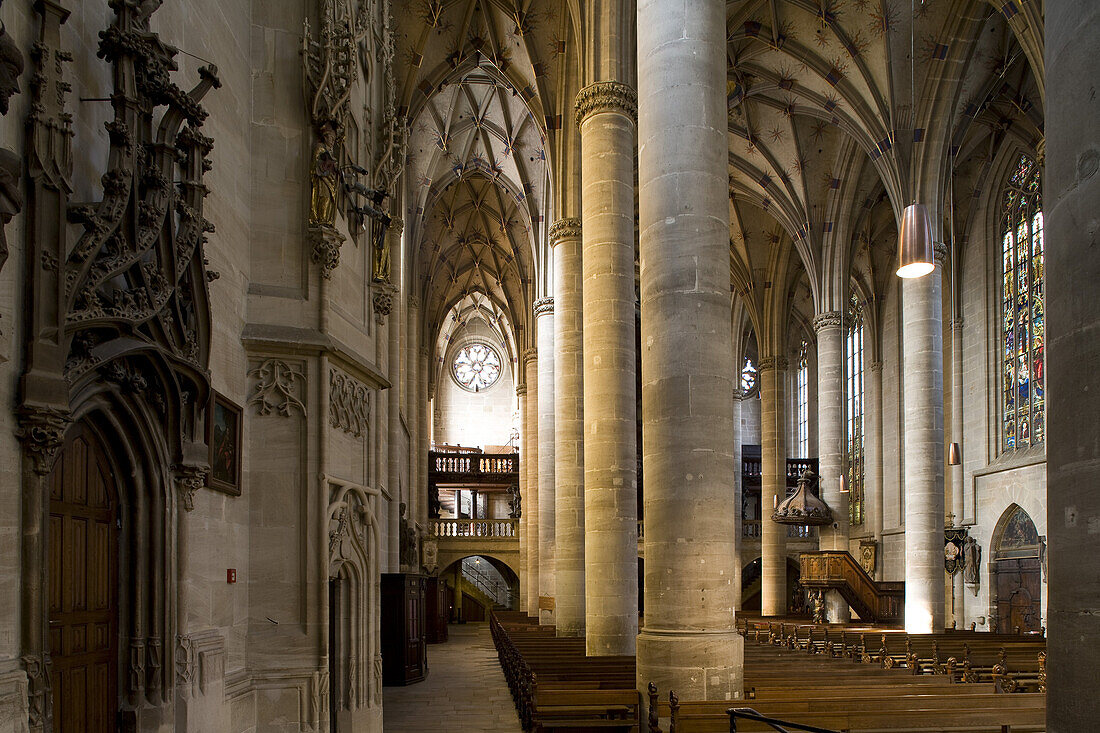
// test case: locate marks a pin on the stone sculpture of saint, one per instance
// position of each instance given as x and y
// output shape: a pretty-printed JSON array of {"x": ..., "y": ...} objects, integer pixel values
[
  {"x": 324, "y": 177},
  {"x": 972, "y": 555}
]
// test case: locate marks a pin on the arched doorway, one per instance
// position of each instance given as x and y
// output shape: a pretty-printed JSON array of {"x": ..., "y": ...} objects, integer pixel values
[
  {"x": 83, "y": 586},
  {"x": 478, "y": 583},
  {"x": 750, "y": 586},
  {"x": 1016, "y": 573}
]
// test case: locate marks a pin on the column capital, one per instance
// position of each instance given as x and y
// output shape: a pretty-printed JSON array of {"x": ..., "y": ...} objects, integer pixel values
[
  {"x": 414, "y": 302},
  {"x": 424, "y": 352},
  {"x": 397, "y": 224},
  {"x": 773, "y": 362},
  {"x": 544, "y": 306},
  {"x": 521, "y": 390},
  {"x": 876, "y": 365},
  {"x": 607, "y": 96},
  {"x": 563, "y": 229},
  {"x": 738, "y": 393},
  {"x": 939, "y": 252},
  {"x": 957, "y": 324},
  {"x": 829, "y": 319},
  {"x": 530, "y": 355}
]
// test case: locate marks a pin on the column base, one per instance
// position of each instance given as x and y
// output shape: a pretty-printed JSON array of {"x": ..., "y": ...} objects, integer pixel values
[{"x": 696, "y": 665}]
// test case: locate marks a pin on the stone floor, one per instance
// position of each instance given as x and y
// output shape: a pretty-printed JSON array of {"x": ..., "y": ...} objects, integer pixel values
[{"x": 465, "y": 690}]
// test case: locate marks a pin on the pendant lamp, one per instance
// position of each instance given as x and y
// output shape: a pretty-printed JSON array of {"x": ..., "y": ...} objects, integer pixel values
[{"x": 915, "y": 258}]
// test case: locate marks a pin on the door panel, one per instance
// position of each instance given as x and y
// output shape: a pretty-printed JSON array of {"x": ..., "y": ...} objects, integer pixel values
[
  {"x": 1018, "y": 586},
  {"x": 83, "y": 592}
]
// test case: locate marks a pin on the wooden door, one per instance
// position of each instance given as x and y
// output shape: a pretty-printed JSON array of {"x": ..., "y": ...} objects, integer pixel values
[
  {"x": 83, "y": 587},
  {"x": 1018, "y": 595}
]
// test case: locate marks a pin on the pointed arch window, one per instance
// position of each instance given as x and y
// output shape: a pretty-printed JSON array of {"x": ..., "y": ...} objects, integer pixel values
[
  {"x": 1023, "y": 331},
  {"x": 748, "y": 377},
  {"x": 854, "y": 355},
  {"x": 802, "y": 402}
]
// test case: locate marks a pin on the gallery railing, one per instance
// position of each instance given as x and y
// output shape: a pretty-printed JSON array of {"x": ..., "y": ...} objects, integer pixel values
[{"x": 474, "y": 528}]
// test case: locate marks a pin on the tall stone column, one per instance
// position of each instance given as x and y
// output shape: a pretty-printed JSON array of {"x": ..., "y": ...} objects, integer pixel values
[
  {"x": 524, "y": 540},
  {"x": 393, "y": 397},
  {"x": 1071, "y": 195},
  {"x": 772, "y": 375},
  {"x": 606, "y": 114},
  {"x": 531, "y": 504},
  {"x": 922, "y": 397},
  {"x": 565, "y": 240},
  {"x": 689, "y": 642},
  {"x": 832, "y": 441},
  {"x": 425, "y": 427},
  {"x": 412, "y": 409},
  {"x": 958, "y": 596},
  {"x": 738, "y": 538},
  {"x": 544, "y": 322},
  {"x": 873, "y": 454}
]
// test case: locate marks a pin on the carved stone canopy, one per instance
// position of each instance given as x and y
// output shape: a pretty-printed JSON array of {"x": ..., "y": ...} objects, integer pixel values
[{"x": 803, "y": 507}]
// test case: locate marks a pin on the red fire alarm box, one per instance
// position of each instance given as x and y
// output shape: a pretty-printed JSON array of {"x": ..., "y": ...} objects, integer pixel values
[{"x": 231, "y": 575}]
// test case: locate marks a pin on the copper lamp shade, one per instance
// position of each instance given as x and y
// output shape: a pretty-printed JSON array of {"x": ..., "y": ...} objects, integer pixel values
[
  {"x": 953, "y": 458},
  {"x": 915, "y": 242}
]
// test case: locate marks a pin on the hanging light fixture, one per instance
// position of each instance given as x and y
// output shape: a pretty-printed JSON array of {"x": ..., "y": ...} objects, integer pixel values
[
  {"x": 915, "y": 258},
  {"x": 953, "y": 458}
]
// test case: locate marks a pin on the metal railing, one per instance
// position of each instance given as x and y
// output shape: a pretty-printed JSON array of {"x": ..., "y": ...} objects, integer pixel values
[
  {"x": 474, "y": 528},
  {"x": 782, "y": 726},
  {"x": 494, "y": 588}
]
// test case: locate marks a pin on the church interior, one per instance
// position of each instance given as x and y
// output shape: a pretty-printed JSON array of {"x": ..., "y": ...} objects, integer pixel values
[{"x": 547, "y": 365}]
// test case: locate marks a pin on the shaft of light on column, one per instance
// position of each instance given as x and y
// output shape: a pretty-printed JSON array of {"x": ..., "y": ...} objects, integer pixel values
[{"x": 922, "y": 364}]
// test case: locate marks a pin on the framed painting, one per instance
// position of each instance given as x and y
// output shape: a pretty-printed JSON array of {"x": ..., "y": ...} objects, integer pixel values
[{"x": 223, "y": 435}]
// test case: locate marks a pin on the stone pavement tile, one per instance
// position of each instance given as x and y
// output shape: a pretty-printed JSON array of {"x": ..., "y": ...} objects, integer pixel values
[{"x": 465, "y": 691}]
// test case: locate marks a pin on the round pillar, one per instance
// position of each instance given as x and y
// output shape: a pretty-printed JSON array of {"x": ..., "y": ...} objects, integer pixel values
[
  {"x": 565, "y": 240},
  {"x": 922, "y": 397},
  {"x": 544, "y": 323},
  {"x": 606, "y": 113},
  {"x": 772, "y": 375},
  {"x": 689, "y": 643},
  {"x": 531, "y": 503}
]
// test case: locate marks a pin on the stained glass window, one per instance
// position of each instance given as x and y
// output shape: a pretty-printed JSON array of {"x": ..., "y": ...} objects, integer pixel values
[
  {"x": 802, "y": 403},
  {"x": 854, "y": 354},
  {"x": 1022, "y": 323},
  {"x": 476, "y": 366},
  {"x": 748, "y": 377}
]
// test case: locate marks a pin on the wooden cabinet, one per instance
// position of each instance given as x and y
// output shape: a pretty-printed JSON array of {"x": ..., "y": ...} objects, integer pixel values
[
  {"x": 438, "y": 610},
  {"x": 404, "y": 650}
]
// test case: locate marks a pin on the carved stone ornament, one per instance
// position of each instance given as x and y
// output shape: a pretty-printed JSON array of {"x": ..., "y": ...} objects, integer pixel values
[
  {"x": 544, "y": 306},
  {"x": 939, "y": 252},
  {"x": 383, "y": 300},
  {"x": 773, "y": 362},
  {"x": 430, "y": 552},
  {"x": 185, "y": 660},
  {"x": 330, "y": 59},
  {"x": 11, "y": 163},
  {"x": 276, "y": 388},
  {"x": 521, "y": 390},
  {"x": 530, "y": 355},
  {"x": 39, "y": 688},
  {"x": 42, "y": 432},
  {"x": 831, "y": 319},
  {"x": 349, "y": 403},
  {"x": 326, "y": 241},
  {"x": 189, "y": 479},
  {"x": 564, "y": 229},
  {"x": 607, "y": 96}
]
